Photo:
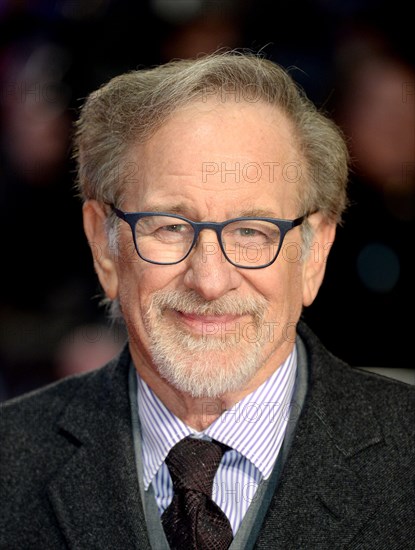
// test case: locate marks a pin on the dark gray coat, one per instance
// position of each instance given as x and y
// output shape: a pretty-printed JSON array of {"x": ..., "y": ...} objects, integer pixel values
[{"x": 68, "y": 476}]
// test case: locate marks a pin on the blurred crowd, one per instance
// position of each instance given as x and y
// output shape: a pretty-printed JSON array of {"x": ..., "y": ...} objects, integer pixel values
[{"x": 354, "y": 59}]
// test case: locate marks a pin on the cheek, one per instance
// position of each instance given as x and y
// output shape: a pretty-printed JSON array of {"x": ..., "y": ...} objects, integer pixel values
[
  {"x": 135, "y": 290},
  {"x": 138, "y": 281},
  {"x": 282, "y": 287}
]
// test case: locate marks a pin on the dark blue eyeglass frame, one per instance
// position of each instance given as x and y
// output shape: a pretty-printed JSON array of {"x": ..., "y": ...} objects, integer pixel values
[{"x": 283, "y": 225}]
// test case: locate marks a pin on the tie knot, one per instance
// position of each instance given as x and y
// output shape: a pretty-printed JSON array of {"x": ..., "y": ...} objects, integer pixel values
[{"x": 192, "y": 464}]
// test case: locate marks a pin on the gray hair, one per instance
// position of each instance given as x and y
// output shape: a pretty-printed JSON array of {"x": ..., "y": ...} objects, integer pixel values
[{"x": 132, "y": 106}]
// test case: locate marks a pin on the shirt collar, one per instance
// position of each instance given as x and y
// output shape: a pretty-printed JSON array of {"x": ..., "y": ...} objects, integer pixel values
[{"x": 254, "y": 427}]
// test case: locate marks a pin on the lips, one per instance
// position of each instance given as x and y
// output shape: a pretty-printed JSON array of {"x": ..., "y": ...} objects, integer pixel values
[{"x": 199, "y": 323}]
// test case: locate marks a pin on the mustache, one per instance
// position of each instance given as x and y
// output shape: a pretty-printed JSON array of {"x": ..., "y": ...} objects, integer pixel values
[{"x": 191, "y": 302}]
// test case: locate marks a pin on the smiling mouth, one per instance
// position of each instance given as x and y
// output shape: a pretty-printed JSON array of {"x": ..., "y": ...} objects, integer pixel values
[{"x": 206, "y": 324}]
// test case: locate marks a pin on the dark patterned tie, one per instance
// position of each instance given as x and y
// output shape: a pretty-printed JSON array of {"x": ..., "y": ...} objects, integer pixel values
[{"x": 193, "y": 521}]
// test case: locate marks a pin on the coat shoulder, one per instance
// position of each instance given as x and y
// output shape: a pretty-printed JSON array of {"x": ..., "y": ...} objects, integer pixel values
[
  {"x": 33, "y": 411},
  {"x": 30, "y": 421},
  {"x": 390, "y": 400}
]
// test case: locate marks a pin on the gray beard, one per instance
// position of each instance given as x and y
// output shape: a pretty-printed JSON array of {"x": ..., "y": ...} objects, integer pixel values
[{"x": 211, "y": 364}]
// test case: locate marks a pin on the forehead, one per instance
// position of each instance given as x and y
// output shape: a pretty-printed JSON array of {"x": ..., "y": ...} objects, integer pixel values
[{"x": 218, "y": 151}]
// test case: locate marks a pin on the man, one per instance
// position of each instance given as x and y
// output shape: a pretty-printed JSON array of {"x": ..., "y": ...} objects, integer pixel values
[{"x": 212, "y": 189}]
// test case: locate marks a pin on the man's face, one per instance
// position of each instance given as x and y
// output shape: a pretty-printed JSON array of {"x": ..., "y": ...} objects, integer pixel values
[{"x": 203, "y": 325}]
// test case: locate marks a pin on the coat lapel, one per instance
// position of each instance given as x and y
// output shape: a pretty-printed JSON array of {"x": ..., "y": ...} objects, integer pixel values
[
  {"x": 323, "y": 496},
  {"x": 327, "y": 491},
  {"x": 95, "y": 496}
]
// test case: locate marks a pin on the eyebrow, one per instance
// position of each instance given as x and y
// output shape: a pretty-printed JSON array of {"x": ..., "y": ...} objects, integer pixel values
[
  {"x": 181, "y": 208},
  {"x": 171, "y": 209},
  {"x": 258, "y": 213}
]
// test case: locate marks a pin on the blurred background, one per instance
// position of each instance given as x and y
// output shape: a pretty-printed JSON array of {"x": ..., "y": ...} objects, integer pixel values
[{"x": 355, "y": 60}]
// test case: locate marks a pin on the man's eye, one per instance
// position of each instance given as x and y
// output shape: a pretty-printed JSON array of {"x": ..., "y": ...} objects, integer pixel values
[
  {"x": 248, "y": 232},
  {"x": 176, "y": 228}
]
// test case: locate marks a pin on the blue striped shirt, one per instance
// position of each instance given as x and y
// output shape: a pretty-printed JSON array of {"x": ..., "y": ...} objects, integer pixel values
[{"x": 254, "y": 428}]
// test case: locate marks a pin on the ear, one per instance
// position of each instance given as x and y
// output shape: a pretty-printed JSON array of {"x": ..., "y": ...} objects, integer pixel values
[
  {"x": 314, "y": 265},
  {"x": 104, "y": 262}
]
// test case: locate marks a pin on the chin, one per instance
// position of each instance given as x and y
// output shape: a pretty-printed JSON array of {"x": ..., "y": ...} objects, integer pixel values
[{"x": 207, "y": 373}]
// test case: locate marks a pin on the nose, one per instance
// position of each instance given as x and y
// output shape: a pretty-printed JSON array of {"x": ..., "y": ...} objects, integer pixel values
[{"x": 209, "y": 273}]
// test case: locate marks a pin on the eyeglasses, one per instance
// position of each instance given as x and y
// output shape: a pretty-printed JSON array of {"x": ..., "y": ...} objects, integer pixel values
[{"x": 167, "y": 239}]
